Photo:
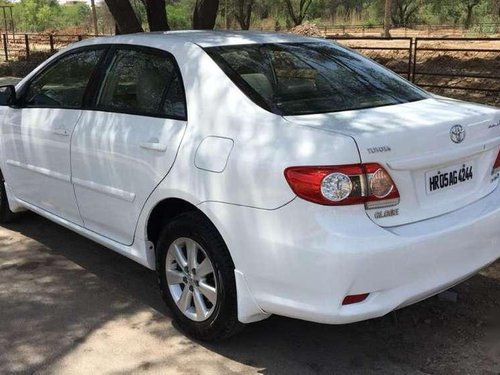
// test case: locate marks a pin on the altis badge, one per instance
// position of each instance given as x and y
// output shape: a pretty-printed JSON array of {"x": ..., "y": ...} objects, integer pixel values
[{"x": 494, "y": 125}]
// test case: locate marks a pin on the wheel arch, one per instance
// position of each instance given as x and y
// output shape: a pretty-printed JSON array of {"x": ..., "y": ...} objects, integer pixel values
[
  {"x": 163, "y": 212},
  {"x": 167, "y": 209}
]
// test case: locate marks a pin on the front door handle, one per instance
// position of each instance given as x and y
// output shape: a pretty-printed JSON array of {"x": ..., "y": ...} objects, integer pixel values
[
  {"x": 155, "y": 145},
  {"x": 61, "y": 131}
]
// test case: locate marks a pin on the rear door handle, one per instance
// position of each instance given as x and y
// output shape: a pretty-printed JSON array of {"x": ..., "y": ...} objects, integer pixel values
[
  {"x": 61, "y": 131},
  {"x": 154, "y": 145}
]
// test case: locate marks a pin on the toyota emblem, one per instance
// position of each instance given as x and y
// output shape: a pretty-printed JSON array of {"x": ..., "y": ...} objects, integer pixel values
[{"x": 457, "y": 134}]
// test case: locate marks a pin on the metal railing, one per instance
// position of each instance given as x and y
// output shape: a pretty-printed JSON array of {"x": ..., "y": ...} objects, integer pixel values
[
  {"x": 443, "y": 65},
  {"x": 488, "y": 76},
  {"x": 364, "y": 29},
  {"x": 383, "y": 44},
  {"x": 20, "y": 46}
]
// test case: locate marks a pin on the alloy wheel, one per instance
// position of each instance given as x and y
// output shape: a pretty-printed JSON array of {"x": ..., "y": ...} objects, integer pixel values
[{"x": 191, "y": 279}]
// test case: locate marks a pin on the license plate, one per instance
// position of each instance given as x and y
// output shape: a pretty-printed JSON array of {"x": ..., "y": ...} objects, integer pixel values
[{"x": 449, "y": 177}]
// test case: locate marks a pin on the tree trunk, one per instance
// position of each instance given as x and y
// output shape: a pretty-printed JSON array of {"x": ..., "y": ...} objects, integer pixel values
[
  {"x": 124, "y": 15},
  {"x": 226, "y": 14},
  {"x": 387, "y": 18},
  {"x": 495, "y": 7},
  {"x": 94, "y": 17},
  {"x": 471, "y": 4},
  {"x": 299, "y": 17},
  {"x": 244, "y": 13},
  {"x": 157, "y": 15},
  {"x": 205, "y": 14},
  {"x": 468, "y": 18}
]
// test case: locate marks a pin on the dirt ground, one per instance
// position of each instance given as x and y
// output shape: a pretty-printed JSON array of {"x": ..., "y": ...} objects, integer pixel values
[{"x": 70, "y": 306}]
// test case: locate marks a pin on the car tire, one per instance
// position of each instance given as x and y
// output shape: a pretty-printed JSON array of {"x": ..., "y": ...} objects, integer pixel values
[
  {"x": 192, "y": 230},
  {"x": 6, "y": 215}
]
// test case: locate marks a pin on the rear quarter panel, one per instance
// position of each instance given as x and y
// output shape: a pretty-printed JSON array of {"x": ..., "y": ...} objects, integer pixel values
[{"x": 264, "y": 143}]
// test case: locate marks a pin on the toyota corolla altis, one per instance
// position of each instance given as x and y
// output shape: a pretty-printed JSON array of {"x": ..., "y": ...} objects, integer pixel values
[{"x": 257, "y": 173}]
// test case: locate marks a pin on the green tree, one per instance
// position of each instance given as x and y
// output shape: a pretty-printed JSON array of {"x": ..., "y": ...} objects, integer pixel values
[
  {"x": 37, "y": 15},
  {"x": 405, "y": 12},
  {"x": 469, "y": 11},
  {"x": 297, "y": 10},
  {"x": 74, "y": 15},
  {"x": 243, "y": 12},
  {"x": 457, "y": 11}
]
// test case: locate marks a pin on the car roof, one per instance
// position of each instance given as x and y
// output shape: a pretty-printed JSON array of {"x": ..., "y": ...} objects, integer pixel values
[{"x": 205, "y": 38}]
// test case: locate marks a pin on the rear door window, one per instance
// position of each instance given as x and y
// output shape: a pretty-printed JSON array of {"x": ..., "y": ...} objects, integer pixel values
[{"x": 143, "y": 82}]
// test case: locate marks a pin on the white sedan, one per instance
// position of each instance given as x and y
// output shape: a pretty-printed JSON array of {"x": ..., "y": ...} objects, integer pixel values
[{"x": 257, "y": 173}]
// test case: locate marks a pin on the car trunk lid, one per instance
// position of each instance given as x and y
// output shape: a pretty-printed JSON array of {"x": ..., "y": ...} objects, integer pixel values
[{"x": 439, "y": 152}]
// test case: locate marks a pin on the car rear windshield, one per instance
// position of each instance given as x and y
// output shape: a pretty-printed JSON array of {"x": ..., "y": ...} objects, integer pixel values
[{"x": 306, "y": 78}]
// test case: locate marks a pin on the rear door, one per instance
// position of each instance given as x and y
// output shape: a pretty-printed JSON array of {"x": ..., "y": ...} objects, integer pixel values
[
  {"x": 126, "y": 143},
  {"x": 36, "y": 136}
]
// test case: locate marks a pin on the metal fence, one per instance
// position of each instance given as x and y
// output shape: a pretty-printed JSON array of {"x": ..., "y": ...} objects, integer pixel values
[
  {"x": 467, "y": 64},
  {"x": 21, "y": 46},
  {"x": 395, "y": 53},
  {"x": 413, "y": 30},
  {"x": 467, "y": 68}
]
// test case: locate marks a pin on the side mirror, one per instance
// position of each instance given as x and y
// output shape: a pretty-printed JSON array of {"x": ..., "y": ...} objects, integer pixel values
[{"x": 7, "y": 95}]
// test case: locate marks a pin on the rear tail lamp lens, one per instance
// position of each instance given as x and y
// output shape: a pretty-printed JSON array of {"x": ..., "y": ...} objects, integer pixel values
[
  {"x": 336, "y": 187},
  {"x": 344, "y": 185},
  {"x": 496, "y": 166},
  {"x": 380, "y": 184}
]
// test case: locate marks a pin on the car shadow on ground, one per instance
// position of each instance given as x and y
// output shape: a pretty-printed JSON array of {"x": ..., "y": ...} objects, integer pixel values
[{"x": 439, "y": 335}]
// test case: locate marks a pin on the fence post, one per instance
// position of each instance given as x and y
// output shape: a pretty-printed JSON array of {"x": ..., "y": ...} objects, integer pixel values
[
  {"x": 80, "y": 38},
  {"x": 415, "y": 49},
  {"x": 27, "y": 43},
  {"x": 410, "y": 58},
  {"x": 5, "y": 49},
  {"x": 51, "y": 41}
]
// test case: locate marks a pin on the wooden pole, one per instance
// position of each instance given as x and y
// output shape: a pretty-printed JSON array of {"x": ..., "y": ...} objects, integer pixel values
[
  {"x": 94, "y": 17},
  {"x": 5, "y": 21},
  {"x": 13, "y": 24},
  {"x": 387, "y": 18},
  {"x": 5, "y": 48}
]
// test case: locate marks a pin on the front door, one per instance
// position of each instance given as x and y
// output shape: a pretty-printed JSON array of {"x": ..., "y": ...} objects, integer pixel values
[
  {"x": 36, "y": 137},
  {"x": 126, "y": 144}
]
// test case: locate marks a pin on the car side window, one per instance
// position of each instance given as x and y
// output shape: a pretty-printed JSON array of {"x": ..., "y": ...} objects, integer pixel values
[
  {"x": 63, "y": 84},
  {"x": 142, "y": 82}
]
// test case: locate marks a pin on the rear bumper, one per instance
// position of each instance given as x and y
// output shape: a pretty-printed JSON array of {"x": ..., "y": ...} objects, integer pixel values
[{"x": 301, "y": 260}]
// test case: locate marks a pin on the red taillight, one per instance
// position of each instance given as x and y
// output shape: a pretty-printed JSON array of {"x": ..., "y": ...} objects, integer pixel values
[
  {"x": 355, "y": 298},
  {"x": 496, "y": 166},
  {"x": 344, "y": 185}
]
